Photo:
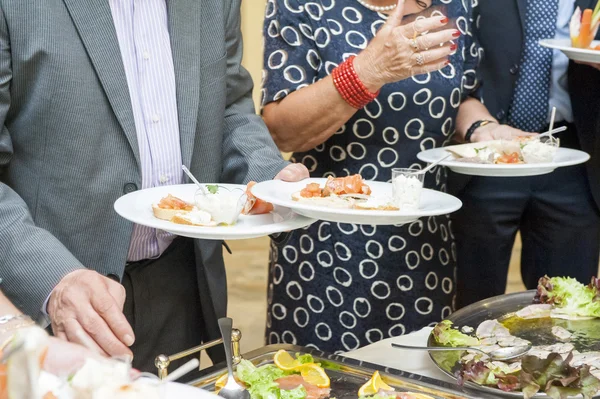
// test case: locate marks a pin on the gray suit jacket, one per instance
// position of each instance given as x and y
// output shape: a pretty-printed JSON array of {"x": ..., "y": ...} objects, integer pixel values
[{"x": 68, "y": 146}]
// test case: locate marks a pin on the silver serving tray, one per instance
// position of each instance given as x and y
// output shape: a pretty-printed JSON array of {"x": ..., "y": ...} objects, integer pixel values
[
  {"x": 348, "y": 375},
  {"x": 503, "y": 307}
]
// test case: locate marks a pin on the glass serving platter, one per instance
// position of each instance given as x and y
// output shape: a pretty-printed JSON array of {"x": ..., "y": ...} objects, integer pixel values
[
  {"x": 586, "y": 333},
  {"x": 348, "y": 375}
]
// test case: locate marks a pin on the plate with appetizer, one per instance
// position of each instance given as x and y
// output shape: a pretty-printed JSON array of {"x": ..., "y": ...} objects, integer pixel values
[
  {"x": 560, "y": 322},
  {"x": 212, "y": 212},
  {"x": 525, "y": 156},
  {"x": 21, "y": 376},
  {"x": 352, "y": 199},
  {"x": 581, "y": 46}
]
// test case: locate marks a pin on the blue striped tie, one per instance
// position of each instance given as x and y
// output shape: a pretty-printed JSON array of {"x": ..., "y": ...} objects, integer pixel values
[{"x": 529, "y": 109}]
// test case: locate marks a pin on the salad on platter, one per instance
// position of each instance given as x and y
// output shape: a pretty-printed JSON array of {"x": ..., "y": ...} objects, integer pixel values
[
  {"x": 560, "y": 323},
  {"x": 300, "y": 377}
]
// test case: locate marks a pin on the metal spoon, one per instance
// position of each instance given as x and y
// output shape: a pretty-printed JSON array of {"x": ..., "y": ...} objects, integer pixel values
[
  {"x": 192, "y": 178},
  {"x": 231, "y": 390},
  {"x": 502, "y": 354}
]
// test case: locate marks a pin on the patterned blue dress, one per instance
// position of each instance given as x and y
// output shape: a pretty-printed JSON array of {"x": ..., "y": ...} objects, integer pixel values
[{"x": 338, "y": 287}]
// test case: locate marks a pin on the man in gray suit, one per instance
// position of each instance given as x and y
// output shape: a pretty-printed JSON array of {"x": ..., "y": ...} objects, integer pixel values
[{"x": 99, "y": 99}]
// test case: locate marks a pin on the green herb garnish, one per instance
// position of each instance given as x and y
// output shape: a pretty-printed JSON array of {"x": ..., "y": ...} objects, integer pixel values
[{"x": 212, "y": 188}]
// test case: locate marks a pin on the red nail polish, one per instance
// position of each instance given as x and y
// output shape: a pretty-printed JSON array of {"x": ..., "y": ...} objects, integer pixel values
[
  {"x": 447, "y": 62},
  {"x": 444, "y": 20},
  {"x": 453, "y": 47},
  {"x": 456, "y": 33}
]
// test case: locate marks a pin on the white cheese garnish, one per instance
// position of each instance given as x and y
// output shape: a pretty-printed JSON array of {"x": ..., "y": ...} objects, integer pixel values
[
  {"x": 407, "y": 192},
  {"x": 224, "y": 206}
]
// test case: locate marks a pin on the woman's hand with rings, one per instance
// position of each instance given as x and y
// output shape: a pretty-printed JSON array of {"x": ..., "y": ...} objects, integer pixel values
[{"x": 401, "y": 51}]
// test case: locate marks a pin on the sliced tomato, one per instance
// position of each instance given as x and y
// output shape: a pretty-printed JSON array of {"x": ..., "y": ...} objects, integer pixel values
[
  {"x": 509, "y": 158},
  {"x": 255, "y": 206}
]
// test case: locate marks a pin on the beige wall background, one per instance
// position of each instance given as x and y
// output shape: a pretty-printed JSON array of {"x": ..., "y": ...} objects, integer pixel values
[{"x": 252, "y": 21}]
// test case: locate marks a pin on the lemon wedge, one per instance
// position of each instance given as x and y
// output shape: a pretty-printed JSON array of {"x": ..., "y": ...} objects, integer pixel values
[
  {"x": 315, "y": 375},
  {"x": 285, "y": 361},
  {"x": 374, "y": 385}
]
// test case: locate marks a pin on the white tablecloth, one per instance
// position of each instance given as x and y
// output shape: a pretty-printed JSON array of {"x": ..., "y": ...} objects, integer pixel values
[{"x": 412, "y": 361}]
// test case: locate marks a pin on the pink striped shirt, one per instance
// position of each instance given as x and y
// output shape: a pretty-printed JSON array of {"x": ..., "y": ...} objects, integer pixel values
[{"x": 143, "y": 32}]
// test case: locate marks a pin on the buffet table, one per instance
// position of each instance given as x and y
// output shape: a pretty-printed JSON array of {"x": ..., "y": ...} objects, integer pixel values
[{"x": 412, "y": 361}]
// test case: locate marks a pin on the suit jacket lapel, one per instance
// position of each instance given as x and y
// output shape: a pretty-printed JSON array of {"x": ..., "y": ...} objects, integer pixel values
[
  {"x": 93, "y": 20},
  {"x": 522, "y": 5},
  {"x": 184, "y": 29}
]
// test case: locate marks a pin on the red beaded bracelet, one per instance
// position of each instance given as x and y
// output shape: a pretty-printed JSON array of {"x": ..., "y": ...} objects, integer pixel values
[{"x": 349, "y": 85}]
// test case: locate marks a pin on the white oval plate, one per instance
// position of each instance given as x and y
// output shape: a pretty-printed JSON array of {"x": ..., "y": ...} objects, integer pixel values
[
  {"x": 280, "y": 193},
  {"x": 137, "y": 207},
  {"x": 575, "y": 54},
  {"x": 564, "y": 157}
]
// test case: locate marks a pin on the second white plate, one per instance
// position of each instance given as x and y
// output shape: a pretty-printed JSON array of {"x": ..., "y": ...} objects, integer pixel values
[
  {"x": 137, "y": 207},
  {"x": 575, "y": 54},
  {"x": 433, "y": 203},
  {"x": 564, "y": 157}
]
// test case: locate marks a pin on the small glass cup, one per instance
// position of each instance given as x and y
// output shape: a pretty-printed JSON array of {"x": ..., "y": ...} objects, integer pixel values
[
  {"x": 224, "y": 207},
  {"x": 407, "y": 186}
]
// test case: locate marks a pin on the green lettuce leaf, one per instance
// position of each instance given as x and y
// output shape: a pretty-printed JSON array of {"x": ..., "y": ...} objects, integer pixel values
[
  {"x": 557, "y": 378},
  {"x": 260, "y": 381},
  {"x": 446, "y": 335},
  {"x": 569, "y": 296},
  {"x": 304, "y": 359},
  {"x": 298, "y": 393}
]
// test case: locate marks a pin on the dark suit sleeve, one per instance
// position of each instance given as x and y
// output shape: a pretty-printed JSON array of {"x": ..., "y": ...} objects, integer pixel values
[
  {"x": 32, "y": 260},
  {"x": 249, "y": 152},
  {"x": 473, "y": 55}
]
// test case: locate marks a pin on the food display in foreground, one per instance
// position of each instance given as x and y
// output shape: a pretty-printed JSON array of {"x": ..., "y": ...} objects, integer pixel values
[
  {"x": 584, "y": 26},
  {"x": 215, "y": 205},
  {"x": 556, "y": 368},
  {"x": 350, "y": 192},
  {"x": 300, "y": 377},
  {"x": 22, "y": 377},
  {"x": 524, "y": 150}
]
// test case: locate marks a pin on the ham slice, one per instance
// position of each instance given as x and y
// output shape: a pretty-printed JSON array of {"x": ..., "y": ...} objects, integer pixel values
[{"x": 294, "y": 381}]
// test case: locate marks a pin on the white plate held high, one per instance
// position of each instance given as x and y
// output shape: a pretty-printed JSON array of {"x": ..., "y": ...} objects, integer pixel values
[
  {"x": 575, "y": 54},
  {"x": 564, "y": 157},
  {"x": 137, "y": 207},
  {"x": 433, "y": 203}
]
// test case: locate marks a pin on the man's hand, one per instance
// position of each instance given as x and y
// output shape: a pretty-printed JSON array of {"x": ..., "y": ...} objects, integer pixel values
[
  {"x": 495, "y": 131},
  {"x": 293, "y": 172},
  {"x": 87, "y": 308}
]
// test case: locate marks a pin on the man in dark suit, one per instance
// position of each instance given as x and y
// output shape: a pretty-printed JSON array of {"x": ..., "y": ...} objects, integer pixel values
[{"x": 557, "y": 214}]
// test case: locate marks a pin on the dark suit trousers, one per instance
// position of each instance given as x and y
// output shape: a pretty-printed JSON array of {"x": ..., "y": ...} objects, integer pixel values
[
  {"x": 163, "y": 305},
  {"x": 559, "y": 224}
]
